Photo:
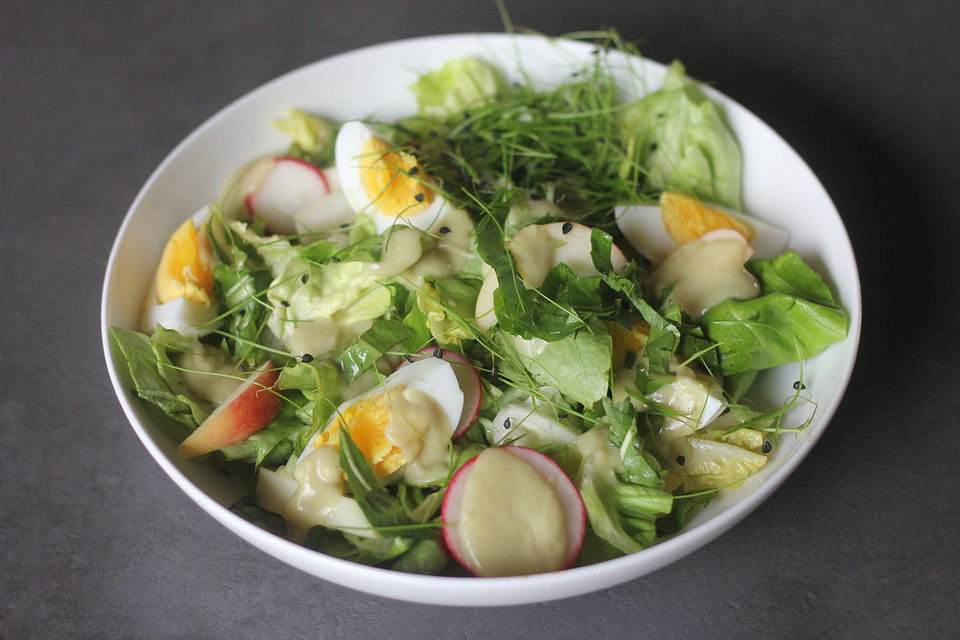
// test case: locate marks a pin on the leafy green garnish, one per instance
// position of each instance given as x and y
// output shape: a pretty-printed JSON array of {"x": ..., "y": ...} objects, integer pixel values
[
  {"x": 382, "y": 510},
  {"x": 778, "y": 327},
  {"x": 372, "y": 343},
  {"x": 155, "y": 382}
]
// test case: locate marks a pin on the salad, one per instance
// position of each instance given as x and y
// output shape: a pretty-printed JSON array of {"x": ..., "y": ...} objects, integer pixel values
[{"x": 510, "y": 334}]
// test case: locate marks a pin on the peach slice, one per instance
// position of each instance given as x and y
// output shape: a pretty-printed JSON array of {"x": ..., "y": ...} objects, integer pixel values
[{"x": 244, "y": 412}]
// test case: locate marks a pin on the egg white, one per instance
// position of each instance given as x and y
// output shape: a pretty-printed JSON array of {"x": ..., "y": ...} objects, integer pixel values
[
  {"x": 432, "y": 376},
  {"x": 348, "y": 152},
  {"x": 643, "y": 226}
]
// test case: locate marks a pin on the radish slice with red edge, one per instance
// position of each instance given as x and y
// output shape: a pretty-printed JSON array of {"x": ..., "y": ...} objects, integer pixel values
[
  {"x": 288, "y": 187},
  {"x": 574, "y": 521},
  {"x": 469, "y": 381}
]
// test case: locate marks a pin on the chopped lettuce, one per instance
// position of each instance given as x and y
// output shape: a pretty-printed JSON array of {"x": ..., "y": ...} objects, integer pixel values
[
  {"x": 458, "y": 85},
  {"x": 313, "y": 136},
  {"x": 154, "y": 380},
  {"x": 445, "y": 306},
  {"x": 682, "y": 140}
]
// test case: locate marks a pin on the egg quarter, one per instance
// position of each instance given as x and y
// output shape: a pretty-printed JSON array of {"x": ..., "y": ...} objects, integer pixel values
[
  {"x": 384, "y": 182},
  {"x": 404, "y": 425}
]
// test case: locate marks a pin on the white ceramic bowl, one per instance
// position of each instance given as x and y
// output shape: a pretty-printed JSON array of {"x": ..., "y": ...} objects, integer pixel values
[{"x": 778, "y": 186}]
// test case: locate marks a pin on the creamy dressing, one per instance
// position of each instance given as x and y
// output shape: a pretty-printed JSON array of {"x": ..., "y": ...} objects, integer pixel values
[
  {"x": 421, "y": 430},
  {"x": 401, "y": 249},
  {"x": 319, "y": 500},
  {"x": 512, "y": 521},
  {"x": 531, "y": 210},
  {"x": 205, "y": 374},
  {"x": 600, "y": 458},
  {"x": 446, "y": 249},
  {"x": 705, "y": 273},
  {"x": 533, "y": 248}
]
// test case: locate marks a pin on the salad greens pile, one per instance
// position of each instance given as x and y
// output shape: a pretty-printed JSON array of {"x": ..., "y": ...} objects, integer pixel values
[{"x": 608, "y": 352}]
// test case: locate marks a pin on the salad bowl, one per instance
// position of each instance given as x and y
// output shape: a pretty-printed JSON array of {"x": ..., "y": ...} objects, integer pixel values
[{"x": 373, "y": 82}]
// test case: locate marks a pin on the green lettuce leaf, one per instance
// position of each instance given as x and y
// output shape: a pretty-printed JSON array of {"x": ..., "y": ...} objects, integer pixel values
[
  {"x": 424, "y": 557},
  {"x": 796, "y": 318},
  {"x": 458, "y": 85},
  {"x": 372, "y": 343},
  {"x": 683, "y": 141},
  {"x": 313, "y": 136},
  {"x": 771, "y": 330},
  {"x": 152, "y": 380},
  {"x": 787, "y": 273},
  {"x": 578, "y": 364}
]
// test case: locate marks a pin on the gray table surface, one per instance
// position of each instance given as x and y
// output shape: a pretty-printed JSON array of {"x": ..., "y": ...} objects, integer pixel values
[{"x": 95, "y": 541}]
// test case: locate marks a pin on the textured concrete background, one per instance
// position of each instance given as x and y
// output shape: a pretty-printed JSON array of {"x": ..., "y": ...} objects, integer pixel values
[{"x": 862, "y": 541}]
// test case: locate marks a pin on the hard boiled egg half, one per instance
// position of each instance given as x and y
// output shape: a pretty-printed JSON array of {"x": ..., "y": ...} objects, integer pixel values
[
  {"x": 385, "y": 182},
  {"x": 181, "y": 297},
  {"x": 656, "y": 231},
  {"x": 403, "y": 425}
]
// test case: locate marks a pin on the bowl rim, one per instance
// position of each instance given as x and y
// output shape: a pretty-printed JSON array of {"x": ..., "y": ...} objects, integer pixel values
[{"x": 451, "y": 590}]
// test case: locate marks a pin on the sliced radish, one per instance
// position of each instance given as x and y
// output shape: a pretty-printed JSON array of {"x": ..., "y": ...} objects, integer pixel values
[
  {"x": 466, "y": 544},
  {"x": 288, "y": 187},
  {"x": 469, "y": 381},
  {"x": 244, "y": 412}
]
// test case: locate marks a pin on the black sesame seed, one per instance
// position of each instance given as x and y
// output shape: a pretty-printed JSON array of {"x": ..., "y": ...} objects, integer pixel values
[
  {"x": 681, "y": 460},
  {"x": 334, "y": 259},
  {"x": 419, "y": 197},
  {"x": 438, "y": 353},
  {"x": 506, "y": 423},
  {"x": 561, "y": 415},
  {"x": 304, "y": 278},
  {"x": 767, "y": 446},
  {"x": 431, "y": 489},
  {"x": 408, "y": 358},
  {"x": 444, "y": 229},
  {"x": 566, "y": 228},
  {"x": 344, "y": 225},
  {"x": 653, "y": 146},
  {"x": 414, "y": 170},
  {"x": 307, "y": 357},
  {"x": 602, "y": 140},
  {"x": 284, "y": 303},
  {"x": 466, "y": 115},
  {"x": 660, "y": 115},
  {"x": 595, "y": 52},
  {"x": 799, "y": 385},
  {"x": 535, "y": 197}
]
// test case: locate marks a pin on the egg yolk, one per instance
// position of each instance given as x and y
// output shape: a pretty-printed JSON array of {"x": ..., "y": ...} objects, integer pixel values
[
  {"x": 624, "y": 339},
  {"x": 393, "y": 180},
  {"x": 687, "y": 219},
  {"x": 367, "y": 421},
  {"x": 184, "y": 269}
]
